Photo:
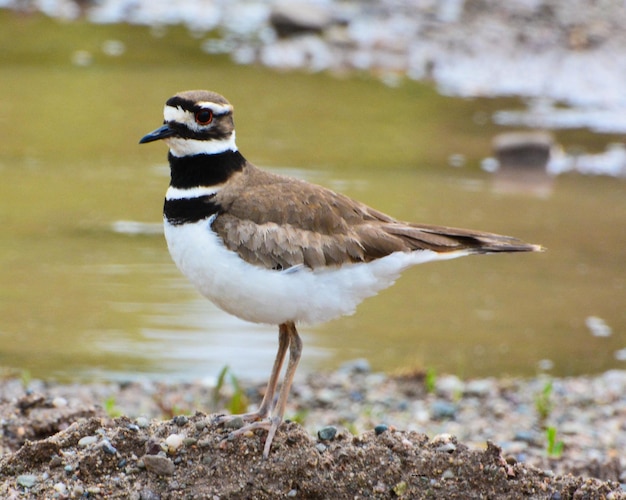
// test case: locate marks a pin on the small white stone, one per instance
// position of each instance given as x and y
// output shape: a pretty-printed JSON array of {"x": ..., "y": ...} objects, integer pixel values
[
  {"x": 142, "y": 422},
  {"x": 173, "y": 442},
  {"x": 87, "y": 440},
  {"x": 60, "y": 488},
  {"x": 59, "y": 402}
]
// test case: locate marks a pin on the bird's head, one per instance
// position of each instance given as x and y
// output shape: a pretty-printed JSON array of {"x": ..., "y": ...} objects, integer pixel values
[{"x": 196, "y": 122}]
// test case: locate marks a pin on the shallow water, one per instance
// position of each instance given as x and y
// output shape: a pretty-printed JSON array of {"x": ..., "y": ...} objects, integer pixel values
[{"x": 83, "y": 297}]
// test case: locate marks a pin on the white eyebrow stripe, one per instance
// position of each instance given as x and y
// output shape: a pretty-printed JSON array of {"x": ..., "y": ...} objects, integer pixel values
[
  {"x": 174, "y": 193},
  {"x": 176, "y": 114},
  {"x": 218, "y": 109}
]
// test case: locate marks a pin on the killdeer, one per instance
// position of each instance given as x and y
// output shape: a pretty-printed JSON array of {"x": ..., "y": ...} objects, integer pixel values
[{"x": 272, "y": 249}]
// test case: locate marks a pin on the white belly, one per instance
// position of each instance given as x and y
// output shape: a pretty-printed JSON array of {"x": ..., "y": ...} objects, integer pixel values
[{"x": 260, "y": 295}]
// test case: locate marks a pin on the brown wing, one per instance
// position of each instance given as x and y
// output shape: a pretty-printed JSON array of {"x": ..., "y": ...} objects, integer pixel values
[{"x": 279, "y": 222}]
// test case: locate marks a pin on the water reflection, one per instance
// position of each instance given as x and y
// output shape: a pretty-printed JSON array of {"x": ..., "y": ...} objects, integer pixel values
[
  {"x": 193, "y": 339},
  {"x": 522, "y": 163},
  {"x": 116, "y": 307}
]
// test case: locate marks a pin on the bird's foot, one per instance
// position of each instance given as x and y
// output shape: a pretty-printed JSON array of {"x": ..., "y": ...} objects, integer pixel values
[
  {"x": 239, "y": 420},
  {"x": 271, "y": 425}
]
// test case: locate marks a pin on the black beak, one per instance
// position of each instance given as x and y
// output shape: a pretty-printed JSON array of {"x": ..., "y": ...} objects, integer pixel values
[{"x": 160, "y": 133}]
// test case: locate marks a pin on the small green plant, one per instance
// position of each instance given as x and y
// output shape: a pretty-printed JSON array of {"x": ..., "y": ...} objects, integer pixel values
[
  {"x": 25, "y": 378},
  {"x": 300, "y": 416},
  {"x": 554, "y": 448},
  {"x": 543, "y": 401},
  {"x": 110, "y": 408},
  {"x": 219, "y": 384},
  {"x": 430, "y": 380},
  {"x": 238, "y": 402}
]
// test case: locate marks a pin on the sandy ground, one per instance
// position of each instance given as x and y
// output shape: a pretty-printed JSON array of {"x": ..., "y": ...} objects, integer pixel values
[{"x": 58, "y": 441}]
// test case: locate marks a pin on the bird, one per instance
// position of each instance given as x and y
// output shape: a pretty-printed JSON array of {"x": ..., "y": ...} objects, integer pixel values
[{"x": 277, "y": 250}]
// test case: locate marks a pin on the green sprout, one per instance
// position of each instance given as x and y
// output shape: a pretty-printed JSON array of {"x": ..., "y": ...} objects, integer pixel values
[{"x": 554, "y": 448}]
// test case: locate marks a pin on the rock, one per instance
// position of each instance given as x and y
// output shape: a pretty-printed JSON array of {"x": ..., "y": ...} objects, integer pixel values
[
  {"x": 60, "y": 488},
  {"x": 446, "y": 448},
  {"x": 87, "y": 441},
  {"x": 441, "y": 409},
  {"x": 142, "y": 422},
  {"x": 449, "y": 386},
  {"x": 59, "y": 402},
  {"x": 379, "y": 429},
  {"x": 523, "y": 149},
  {"x": 321, "y": 447},
  {"x": 180, "y": 420},
  {"x": 107, "y": 447},
  {"x": 234, "y": 423},
  {"x": 296, "y": 18},
  {"x": 448, "y": 474},
  {"x": 159, "y": 465},
  {"x": 327, "y": 433},
  {"x": 173, "y": 442},
  {"x": 523, "y": 159},
  {"x": 26, "y": 480},
  {"x": 482, "y": 387}
]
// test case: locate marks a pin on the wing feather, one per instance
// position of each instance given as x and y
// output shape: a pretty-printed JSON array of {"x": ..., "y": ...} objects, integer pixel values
[{"x": 279, "y": 222}]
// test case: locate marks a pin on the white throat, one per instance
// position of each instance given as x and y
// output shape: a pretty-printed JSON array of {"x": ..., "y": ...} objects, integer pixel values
[{"x": 188, "y": 147}]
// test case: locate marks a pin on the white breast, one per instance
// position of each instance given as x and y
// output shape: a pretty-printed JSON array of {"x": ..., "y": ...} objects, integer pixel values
[{"x": 260, "y": 295}]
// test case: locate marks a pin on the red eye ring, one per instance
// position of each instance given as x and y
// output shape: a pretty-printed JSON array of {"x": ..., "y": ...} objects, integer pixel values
[{"x": 204, "y": 116}]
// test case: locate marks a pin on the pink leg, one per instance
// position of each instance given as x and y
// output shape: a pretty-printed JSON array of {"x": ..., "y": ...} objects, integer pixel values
[
  {"x": 268, "y": 398},
  {"x": 295, "y": 350}
]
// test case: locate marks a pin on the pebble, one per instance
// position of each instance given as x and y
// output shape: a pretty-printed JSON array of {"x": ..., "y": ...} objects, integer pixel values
[
  {"x": 449, "y": 386},
  {"x": 235, "y": 423},
  {"x": 87, "y": 441},
  {"x": 202, "y": 424},
  {"x": 446, "y": 447},
  {"x": 60, "y": 488},
  {"x": 327, "y": 433},
  {"x": 173, "y": 442},
  {"x": 108, "y": 448},
  {"x": 159, "y": 465},
  {"x": 448, "y": 474},
  {"x": 142, "y": 422},
  {"x": 26, "y": 480},
  {"x": 379, "y": 429},
  {"x": 321, "y": 447},
  {"x": 59, "y": 402},
  {"x": 441, "y": 409},
  {"x": 180, "y": 420},
  {"x": 527, "y": 436},
  {"x": 480, "y": 388}
]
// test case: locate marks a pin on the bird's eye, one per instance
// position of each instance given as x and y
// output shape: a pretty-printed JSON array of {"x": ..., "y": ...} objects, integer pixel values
[{"x": 204, "y": 116}]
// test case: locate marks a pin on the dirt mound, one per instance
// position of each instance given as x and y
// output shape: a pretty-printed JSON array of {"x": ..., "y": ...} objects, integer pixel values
[{"x": 56, "y": 451}]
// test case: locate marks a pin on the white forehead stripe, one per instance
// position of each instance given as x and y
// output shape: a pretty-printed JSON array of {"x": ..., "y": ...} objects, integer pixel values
[
  {"x": 174, "y": 193},
  {"x": 172, "y": 114}
]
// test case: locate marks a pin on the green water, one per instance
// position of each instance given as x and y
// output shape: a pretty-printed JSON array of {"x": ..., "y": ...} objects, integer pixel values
[{"x": 79, "y": 300}]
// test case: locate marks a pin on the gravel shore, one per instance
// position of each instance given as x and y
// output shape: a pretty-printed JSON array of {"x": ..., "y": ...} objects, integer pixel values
[{"x": 351, "y": 407}]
